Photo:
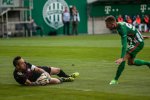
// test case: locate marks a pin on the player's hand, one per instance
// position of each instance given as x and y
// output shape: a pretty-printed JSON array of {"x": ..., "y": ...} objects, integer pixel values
[{"x": 119, "y": 61}]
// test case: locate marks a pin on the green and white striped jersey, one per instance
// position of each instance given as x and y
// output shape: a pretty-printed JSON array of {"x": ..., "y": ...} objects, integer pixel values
[{"x": 129, "y": 34}]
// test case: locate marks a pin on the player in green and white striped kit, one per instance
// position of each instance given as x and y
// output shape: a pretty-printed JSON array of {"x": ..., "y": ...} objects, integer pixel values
[{"x": 132, "y": 43}]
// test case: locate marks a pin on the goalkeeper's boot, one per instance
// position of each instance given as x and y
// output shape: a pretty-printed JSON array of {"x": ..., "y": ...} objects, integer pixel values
[
  {"x": 113, "y": 82},
  {"x": 67, "y": 79},
  {"x": 74, "y": 75}
]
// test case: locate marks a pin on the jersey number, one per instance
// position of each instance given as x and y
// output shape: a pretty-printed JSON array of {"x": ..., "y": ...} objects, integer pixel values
[{"x": 130, "y": 26}]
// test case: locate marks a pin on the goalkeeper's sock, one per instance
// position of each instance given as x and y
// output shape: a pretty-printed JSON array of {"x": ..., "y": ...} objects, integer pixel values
[
  {"x": 138, "y": 62},
  {"x": 62, "y": 74}
]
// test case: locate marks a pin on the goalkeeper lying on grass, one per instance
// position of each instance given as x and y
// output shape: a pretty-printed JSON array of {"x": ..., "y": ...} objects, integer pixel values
[{"x": 31, "y": 75}]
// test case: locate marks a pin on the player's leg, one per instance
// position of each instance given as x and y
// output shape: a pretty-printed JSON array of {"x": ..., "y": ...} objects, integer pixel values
[
  {"x": 59, "y": 72},
  {"x": 137, "y": 62},
  {"x": 118, "y": 73},
  {"x": 55, "y": 81},
  {"x": 55, "y": 71},
  {"x": 60, "y": 80},
  {"x": 119, "y": 70}
]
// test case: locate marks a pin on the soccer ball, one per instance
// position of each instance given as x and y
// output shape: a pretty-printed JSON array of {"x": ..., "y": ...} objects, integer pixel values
[{"x": 43, "y": 79}]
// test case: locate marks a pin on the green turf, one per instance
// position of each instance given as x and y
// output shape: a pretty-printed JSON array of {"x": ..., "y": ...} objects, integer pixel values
[{"x": 92, "y": 56}]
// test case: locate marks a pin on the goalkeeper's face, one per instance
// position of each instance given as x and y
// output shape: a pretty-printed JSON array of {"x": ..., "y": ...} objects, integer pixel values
[{"x": 21, "y": 66}]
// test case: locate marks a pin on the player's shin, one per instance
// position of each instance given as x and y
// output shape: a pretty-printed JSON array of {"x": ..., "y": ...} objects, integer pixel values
[
  {"x": 118, "y": 73},
  {"x": 119, "y": 70},
  {"x": 62, "y": 74},
  {"x": 55, "y": 81}
]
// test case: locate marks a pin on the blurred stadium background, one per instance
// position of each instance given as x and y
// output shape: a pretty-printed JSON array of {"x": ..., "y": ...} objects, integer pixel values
[{"x": 15, "y": 14}]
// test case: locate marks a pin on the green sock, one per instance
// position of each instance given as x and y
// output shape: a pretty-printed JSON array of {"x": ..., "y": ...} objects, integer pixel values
[{"x": 139, "y": 62}]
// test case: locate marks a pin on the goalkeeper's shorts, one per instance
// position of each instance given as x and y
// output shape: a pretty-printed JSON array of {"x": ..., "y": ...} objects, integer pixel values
[{"x": 47, "y": 69}]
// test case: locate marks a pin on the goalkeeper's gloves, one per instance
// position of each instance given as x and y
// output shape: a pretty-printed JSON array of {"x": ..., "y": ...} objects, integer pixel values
[{"x": 34, "y": 84}]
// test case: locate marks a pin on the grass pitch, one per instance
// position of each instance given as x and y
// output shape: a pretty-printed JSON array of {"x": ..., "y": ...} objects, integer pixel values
[{"x": 92, "y": 56}]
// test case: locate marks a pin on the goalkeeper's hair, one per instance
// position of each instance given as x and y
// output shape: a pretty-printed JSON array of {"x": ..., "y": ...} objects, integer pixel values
[
  {"x": 15, "y": 61},
  {"x": 110, "y": 19}
]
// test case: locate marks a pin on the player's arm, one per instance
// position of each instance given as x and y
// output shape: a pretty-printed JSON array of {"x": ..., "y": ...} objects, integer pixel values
[
  {"x": 37, "y": 69},
  {"x": 23, "y": 80},
  {"x": 121, "y": 61},
  {"x": 124, "y": 47},
  {"x": 29, "y": 83},
  {"x": 40, "y": 70}
]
